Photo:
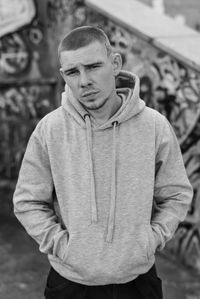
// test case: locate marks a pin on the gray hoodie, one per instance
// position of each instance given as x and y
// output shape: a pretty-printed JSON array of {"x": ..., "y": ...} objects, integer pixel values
[{"x": 121, "y": 188}]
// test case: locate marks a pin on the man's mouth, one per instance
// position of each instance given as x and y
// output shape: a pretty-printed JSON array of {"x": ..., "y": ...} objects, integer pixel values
[{"x": 89, "y": 93}]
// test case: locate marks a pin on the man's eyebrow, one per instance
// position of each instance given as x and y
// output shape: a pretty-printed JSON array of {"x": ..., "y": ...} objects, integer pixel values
[
  {"x": 94, "y": 63},
  {"x": 72, "y": 69}
]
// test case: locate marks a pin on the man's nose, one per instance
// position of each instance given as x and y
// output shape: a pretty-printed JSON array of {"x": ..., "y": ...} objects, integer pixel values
[{"x": 84, "y": 79}]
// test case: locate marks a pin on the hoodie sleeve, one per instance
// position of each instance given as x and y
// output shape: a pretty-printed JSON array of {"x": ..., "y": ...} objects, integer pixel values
[
  {"x": 173, "y": 192},
  {"x": 32, "y": 199}
]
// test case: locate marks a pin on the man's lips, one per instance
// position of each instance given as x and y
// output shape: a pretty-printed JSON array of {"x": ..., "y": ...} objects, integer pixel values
[{"x": 89, "y": 93}]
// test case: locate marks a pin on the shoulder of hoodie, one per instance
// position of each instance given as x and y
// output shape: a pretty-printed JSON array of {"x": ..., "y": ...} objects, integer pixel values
[
  {"x": 163, "y": 128},
  {"x": 51, "y": 121},
  {"x": 159, "y": 123},
  {"x": 155, "y": 117}
]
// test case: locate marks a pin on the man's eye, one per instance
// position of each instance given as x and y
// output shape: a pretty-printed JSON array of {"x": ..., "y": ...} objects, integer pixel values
[
  {"x": 71, "y": 73},
  {"x": 94, "y": 66}
]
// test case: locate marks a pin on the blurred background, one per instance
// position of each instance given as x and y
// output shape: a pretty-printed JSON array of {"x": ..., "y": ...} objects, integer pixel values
[{"x": 159, "y": 40}]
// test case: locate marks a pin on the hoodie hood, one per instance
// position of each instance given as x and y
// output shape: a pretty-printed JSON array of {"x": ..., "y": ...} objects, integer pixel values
[{"x": 127, "y": 85}]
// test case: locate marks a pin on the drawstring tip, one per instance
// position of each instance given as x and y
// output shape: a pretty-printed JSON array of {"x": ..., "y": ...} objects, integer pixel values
[
  {"x": 94, "y": 218},
  {"x": 109, "y": 237}
]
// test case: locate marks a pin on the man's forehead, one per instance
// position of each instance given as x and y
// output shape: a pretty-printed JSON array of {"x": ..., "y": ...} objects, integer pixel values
[{"x": 85, "y": 55}]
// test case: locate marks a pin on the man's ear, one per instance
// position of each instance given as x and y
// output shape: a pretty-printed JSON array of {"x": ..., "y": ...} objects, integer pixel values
[{"x": 117, "y": 63}]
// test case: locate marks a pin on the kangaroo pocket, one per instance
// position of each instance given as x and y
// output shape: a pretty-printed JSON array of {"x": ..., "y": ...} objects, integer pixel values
[{"x": 93, "y": 259}]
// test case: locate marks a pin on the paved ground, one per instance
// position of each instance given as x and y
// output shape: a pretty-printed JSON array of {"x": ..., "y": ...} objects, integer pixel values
[{"x": 23, "y": 269}]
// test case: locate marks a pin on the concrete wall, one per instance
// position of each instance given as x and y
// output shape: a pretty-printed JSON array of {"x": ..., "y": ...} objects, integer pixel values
[{"x": 188, "y": 8}]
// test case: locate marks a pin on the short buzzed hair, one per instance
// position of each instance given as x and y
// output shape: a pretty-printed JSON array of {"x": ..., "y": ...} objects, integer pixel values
[{"x": 84, "y": 36}]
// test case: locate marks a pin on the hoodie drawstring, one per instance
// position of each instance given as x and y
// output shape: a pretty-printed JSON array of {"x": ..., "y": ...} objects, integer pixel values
[
  {"x": 111, "y": 219},
  {"x": 92, "y": 183}
]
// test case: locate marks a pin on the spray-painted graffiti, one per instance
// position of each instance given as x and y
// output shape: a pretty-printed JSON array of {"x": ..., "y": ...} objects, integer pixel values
[
  {"x": 26, "y": 102},
  {"x": 19, "y": 51},
  {"x": 57, "y": 11},
  {"x": 35, "y": 35},
  {"x": 173, "y": 89},
  {"x": 20, "y": 109},
  {"x": 186, "y": 243},
  {"x": 26, "y": 88},
  {"x": 68, "y": 13},
  {"x": 15, "y": 14},
  {"x": 14, "y": 55}
]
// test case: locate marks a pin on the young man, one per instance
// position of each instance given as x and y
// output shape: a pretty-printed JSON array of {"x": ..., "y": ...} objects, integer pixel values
[{"x": 117, "y": 171}]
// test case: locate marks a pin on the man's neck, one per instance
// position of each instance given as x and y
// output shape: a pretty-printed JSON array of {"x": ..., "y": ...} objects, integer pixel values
[{"x": 107, "y": 111}]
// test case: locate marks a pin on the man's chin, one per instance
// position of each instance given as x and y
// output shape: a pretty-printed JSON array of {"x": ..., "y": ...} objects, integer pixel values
[{"x": 93, "y": 104}]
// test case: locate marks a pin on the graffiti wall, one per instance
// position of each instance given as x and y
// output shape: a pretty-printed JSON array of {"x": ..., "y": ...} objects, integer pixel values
[
  {"x": 26, "y": 85},
  {"x": 29, "y": 86},
  {"x": 173, "y": 89}
]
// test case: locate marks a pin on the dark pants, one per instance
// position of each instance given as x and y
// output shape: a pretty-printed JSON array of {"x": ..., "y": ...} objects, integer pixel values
[{"x": 145, "y": 286}]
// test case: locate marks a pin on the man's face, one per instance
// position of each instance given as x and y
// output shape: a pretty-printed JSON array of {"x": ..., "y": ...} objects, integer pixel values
[{"x": 90, "y": 74}]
